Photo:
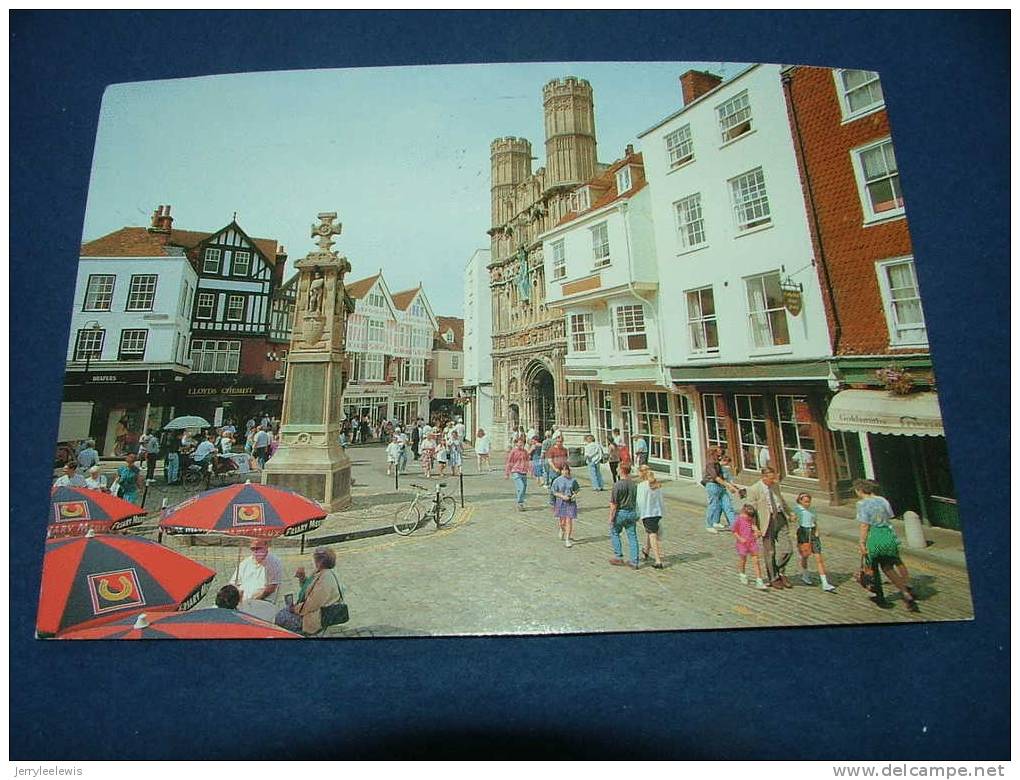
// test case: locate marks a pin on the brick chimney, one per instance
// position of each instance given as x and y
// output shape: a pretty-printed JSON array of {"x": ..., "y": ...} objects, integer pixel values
[
  {"x": 162, "y": 223},
  {"x": 695, "y": 83}
]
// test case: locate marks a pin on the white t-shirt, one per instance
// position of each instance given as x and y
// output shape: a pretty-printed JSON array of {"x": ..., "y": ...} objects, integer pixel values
[
  {"x": 204, "y": 450},
  {"x": 593, "y": 450},
  {"x": 251, "y": 577},
  {"x": 262, "y": 439},
  {"x": 482, "y": 445},
  {"x": 649, "y": 502},
  {"x": 96, "y": 484}
]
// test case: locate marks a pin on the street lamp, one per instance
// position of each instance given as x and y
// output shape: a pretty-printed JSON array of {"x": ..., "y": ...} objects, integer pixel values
[{"x": 93, "y": 326}]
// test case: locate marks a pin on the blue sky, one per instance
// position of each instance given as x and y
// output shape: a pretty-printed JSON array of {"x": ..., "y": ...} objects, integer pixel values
[{"x": 401, "y": 153}]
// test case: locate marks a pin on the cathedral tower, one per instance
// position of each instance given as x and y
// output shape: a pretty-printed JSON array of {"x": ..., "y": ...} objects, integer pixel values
[
  {"x": 511, "y": 165},
  {"x": 569, "y": 132}
]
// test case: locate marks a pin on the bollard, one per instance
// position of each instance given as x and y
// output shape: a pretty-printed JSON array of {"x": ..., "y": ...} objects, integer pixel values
[
  {"x": 915, "y": 531},
  {"x": 396, "y": 480},
  {"x": 462, "y": 487}
]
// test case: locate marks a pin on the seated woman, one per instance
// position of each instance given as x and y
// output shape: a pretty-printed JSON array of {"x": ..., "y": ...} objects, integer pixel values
[{"x": 320, "y": 590}]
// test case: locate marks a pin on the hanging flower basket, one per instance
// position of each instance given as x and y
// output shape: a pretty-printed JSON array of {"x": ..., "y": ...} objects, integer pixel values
[{"x": 897, "y": 380}]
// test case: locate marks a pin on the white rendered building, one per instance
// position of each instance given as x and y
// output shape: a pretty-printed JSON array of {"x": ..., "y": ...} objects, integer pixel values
[{"x": 477, "y": 382}]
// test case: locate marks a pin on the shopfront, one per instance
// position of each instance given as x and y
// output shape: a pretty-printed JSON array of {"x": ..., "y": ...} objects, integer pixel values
[
  {"x": 905, "y": 449},
  {"x": 240, "y": 401},
  {"x": 125, "y": 404}
]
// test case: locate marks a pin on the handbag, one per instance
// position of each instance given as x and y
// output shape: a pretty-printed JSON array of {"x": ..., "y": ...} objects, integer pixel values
[
  {"x": 335, "y": 614},
  {"x": 865, "y": 576}
]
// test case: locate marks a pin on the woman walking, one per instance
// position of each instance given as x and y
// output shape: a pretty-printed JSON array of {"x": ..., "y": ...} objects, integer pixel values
[
  {"x": 427, "y": 453},
  {"x": 565, "y": 490},
  {"x": 482, "y": 447},
  {"x": 613, "y": 459},
  {"x": 517, "y": 466},
  {"x": 878, "y": 542},
  {"x": 455, "y": 453},
  {"x": 649, "y": 505}
]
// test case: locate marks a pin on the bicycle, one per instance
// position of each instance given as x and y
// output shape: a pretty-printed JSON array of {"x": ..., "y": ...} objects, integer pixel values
[{"x": 441, "y": 512}]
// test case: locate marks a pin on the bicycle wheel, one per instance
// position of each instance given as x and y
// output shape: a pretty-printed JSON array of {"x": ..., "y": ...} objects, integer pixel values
[
  {"x": 405, "y": 522},
  {"x": 447, "y": 510}
]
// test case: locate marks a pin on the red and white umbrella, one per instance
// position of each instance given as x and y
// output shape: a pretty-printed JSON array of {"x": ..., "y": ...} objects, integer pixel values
[
  {"x": 214, "y": 623},
  {"x": 91, "y": 580},
  {"x": 75, "y": 511}
]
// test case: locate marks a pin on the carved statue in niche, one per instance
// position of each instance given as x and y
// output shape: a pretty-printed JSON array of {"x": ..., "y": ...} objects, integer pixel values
[{"x": 315, "y": 293}]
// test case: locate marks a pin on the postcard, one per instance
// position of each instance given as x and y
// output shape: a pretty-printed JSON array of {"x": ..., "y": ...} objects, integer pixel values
[{"x": 498, "y": 349}]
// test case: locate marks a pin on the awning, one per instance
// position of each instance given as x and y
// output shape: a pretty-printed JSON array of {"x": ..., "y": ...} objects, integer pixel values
[{"x": 878, "y": 411}]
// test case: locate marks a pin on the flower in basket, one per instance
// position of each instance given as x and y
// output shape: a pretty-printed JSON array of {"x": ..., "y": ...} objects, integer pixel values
[{"x": 896, "y": 380}]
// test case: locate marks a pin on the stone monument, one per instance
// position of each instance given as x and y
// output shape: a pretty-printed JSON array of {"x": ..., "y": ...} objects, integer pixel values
[{"x": 310, "y": 459}]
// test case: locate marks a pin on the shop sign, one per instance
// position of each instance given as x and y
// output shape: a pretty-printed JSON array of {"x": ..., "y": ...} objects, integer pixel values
[
  {"x": 793, "y": 300},
  {"x": 220, "y": 390},
  {"x": 104, "y": 378}
]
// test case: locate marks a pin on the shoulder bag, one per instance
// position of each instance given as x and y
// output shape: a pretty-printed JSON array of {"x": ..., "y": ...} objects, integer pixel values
[{"x": 335, "y": 614}]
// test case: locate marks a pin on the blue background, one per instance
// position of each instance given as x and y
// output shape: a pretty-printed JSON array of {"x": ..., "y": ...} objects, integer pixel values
[{"x": 913, "y": 691}]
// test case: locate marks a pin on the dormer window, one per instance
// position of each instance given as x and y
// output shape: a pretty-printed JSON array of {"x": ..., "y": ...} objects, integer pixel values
[
  {"x": 375, "y": 298},
  {"x": 623, "y": 182}
]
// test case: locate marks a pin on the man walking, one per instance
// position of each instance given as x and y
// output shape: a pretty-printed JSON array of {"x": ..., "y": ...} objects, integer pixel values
[
  {"x": 623, "y": 517},
  {"x": 716, "y": 487},
  {"x": 776, "y": 530},
  {"x": 593, "y": 457},
  {"x": 261, "y": 446},
  {"x": 149, "y": 449}
]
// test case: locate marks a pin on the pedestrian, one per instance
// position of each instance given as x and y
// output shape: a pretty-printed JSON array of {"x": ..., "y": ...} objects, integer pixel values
[
  {"x": 416, "y": 438},
  {"x": 649, "y": 506},
  {"x": 773, "y": 521},
  {"x": 717, "y": 490},
  {"x": 878, "y": 543},
  {"x": 535, "y": 455},
  {"x": 517, "y": 467},
  {"x": 70, "y": 477},
  {"x": 808, "y": 543},
  {"x": 623, "y": 517},
  {"x": 392, "y": 456},
  {"x": 148, "y": 448},
  {"x": 403, "y": 454},
  {"x": 565, "y": 489},
  {"x": 260, "y": 445},
  {"x": 172, "y": 464},
  {"x": 625, "y": 455},
  {"x": 96, "y": 480},
  {"x": 614, "y": 458},
  {"x": 428, "y": 454},
  {"x": 482, "y": 447},
  {"x": 455, "y": 453},
  {"x": 555, "y": 459},
  {"x": 746, "y": 536},
  {"x": 87, "y": 457},
  {"x": 129, "y": 477},
  {"x": 640, "y": 452},
  {"x": 441, "y": 454},
  {"x": 547, "y": 476},
  {"x": 593, "y": 456}
]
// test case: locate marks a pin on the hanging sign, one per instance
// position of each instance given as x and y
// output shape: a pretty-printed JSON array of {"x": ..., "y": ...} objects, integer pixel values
[{"x": 793, "y": 296}]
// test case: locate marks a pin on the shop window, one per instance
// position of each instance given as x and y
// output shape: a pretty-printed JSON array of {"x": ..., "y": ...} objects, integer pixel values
[
  {"x": 846, "y": 448},
  {"x": 653, "y": 424},
  {"x": 716, "y": 421},
  {"x": 684, "y": 438},
  {"x": 796, "y": 433},
  {"x": 754, "y": 441},
  {"x": 604, "y": 415}
]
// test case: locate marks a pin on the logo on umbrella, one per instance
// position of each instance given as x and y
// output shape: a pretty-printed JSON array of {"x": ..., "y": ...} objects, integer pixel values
[
  {"x": 112, "y": 590},
  {"x": 249, "y": 514},
  {"x": 71, "y": 510}
]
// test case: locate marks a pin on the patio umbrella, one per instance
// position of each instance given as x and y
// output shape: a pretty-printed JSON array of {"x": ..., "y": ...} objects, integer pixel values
[
  {"x": 211, "y": 623},
  {"x": 75, "y": 511},
  {"x": 90, "y": 580},
  {"x": 253, "y": 511},
  {"x": 187, "y": 421}
]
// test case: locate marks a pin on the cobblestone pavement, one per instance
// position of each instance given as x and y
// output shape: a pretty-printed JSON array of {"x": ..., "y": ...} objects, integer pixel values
[{"x": 496, "y": 570}]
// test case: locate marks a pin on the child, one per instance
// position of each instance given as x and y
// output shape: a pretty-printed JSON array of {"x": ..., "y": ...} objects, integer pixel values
[
  {"x": 808, "y": 543},
  {"x": 482, "y": 450},
  {"x": 441, "y": 455},
  {"x": 427, "y": 453},
  {"x": 746, "y": 534},
  {"x": 454, "y": 453},
  {"x": 565, "y": 488},
  {"x": 649, "y": 503},
  {"x": 392, "y": 456}
]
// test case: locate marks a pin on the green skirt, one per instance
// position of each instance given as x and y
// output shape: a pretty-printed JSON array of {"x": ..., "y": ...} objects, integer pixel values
[{"x": 883, "y": 544}]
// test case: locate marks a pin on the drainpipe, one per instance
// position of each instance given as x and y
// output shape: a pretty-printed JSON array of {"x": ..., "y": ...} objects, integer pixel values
[{"x": 837, "y": 328}]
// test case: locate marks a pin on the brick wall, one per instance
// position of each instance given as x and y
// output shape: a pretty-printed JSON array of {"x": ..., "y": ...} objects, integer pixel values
[
  {"x": 253, "y": 358},
  {"x": 851, "y": 249}
]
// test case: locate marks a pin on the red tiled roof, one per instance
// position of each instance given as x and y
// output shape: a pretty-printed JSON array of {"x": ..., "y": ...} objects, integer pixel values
[
  {"x": 139, "y": 242},
  {"x": 403, "y": 298},
  {"x": 606, "y": 183},
  {"x": 360, "y": 288},
  {"x": 456, "y": 324}
]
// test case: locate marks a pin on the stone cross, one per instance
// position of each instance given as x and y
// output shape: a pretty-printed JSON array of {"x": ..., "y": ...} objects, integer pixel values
[{"x": 325, "y": 231}]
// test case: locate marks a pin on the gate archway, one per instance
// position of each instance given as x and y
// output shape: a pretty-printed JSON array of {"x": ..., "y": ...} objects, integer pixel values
[{"x": 541, "y": 396}]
